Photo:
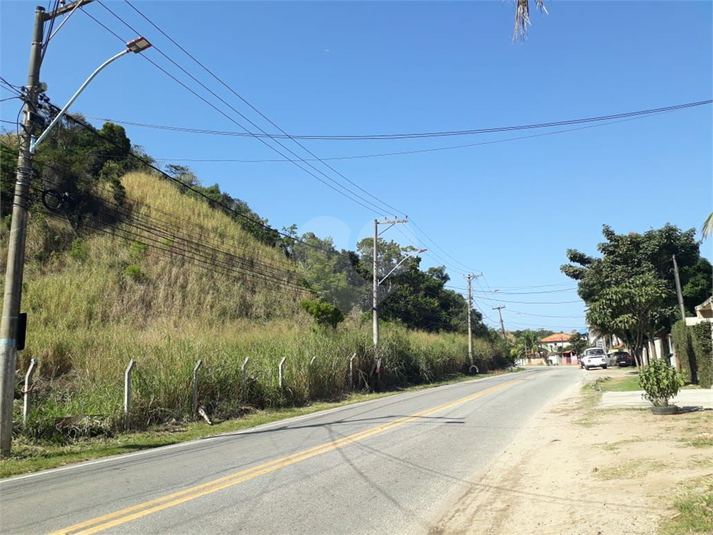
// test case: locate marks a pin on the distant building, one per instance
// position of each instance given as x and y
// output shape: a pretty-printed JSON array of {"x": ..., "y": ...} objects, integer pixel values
[{"x": 555, "y": 345}]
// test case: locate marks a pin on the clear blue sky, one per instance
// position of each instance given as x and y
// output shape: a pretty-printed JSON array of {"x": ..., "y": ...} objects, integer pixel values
[{"x": 507, "y": 209}]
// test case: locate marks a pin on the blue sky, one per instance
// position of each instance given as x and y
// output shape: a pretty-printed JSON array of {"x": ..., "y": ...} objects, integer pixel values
[{"x": 509, "y": 209}]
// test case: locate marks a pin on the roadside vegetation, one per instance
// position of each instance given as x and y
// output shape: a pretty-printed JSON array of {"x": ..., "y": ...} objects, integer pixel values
[
  {"x": 634, "y": 458},
  {"x": 149, "y": 265}
]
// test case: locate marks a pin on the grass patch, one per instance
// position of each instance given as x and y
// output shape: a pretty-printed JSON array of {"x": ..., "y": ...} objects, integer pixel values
[
  {"x": 632, "y": 469},
  {"x": 701, "y": 440},
  {"x": 32, "y": 456},
  {"x": 694, "y": 506}
]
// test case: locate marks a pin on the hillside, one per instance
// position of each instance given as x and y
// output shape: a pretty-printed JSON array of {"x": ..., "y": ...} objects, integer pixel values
[{"x": 165, "y": 279}]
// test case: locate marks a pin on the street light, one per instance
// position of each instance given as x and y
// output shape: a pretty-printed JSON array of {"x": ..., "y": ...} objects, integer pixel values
[
  {"x": 10, "y": 323},
  {"x": 136, "y": 46},
  {"x": 375, "y": 310},
  {"x": 402, "y": 261}
]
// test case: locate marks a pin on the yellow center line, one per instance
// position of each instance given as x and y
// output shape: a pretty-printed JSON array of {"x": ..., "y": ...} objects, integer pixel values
[{"x": 128, "y": 514}]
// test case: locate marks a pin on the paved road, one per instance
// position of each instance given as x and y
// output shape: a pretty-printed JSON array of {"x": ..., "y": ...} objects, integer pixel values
[{"x": 392, "y": 465}]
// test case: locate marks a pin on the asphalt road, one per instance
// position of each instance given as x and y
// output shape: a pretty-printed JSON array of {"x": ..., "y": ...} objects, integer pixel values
[{"x": 392, "y": 465}]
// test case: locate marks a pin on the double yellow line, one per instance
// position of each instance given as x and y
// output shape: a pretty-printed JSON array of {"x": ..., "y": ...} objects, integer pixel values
[{"x": 117, "y": 518}]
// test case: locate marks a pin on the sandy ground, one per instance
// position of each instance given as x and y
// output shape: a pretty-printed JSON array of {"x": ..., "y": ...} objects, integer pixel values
[{"x": 577, "y": 469}]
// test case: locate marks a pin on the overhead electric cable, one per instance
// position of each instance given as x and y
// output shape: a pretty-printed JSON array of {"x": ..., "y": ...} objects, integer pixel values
[
  {"x": 611, "y": 119},
  {"x": 346, "y": 193},
  {"x": 229, "y": 88}
]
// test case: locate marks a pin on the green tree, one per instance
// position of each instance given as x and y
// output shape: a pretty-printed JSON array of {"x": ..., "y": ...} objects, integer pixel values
[
  {"x": 630, "y": 289},
  {"x": 578, "y": 343},
  {"x": 330, "y": 274}
]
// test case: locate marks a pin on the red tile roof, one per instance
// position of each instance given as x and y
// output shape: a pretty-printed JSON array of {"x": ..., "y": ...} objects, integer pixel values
[{"x": 558, "y": 337}]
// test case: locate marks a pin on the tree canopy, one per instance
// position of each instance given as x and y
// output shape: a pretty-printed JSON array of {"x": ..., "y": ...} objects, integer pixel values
[{"x": 630, "y": 290}]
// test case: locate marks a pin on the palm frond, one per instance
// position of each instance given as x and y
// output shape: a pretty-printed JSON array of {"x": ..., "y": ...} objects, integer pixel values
[
  {"x": 707, "y": 228},
  {"x": 522, "y": 17}
]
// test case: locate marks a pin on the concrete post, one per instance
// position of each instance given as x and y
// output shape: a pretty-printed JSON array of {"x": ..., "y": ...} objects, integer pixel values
[
  {"x": 195, "y": 385},
  {"x": 28, "y": 391},
  {"x": 127, "y": 391},
  {"x": 281, "y": 371},
  {"x": 242, "y": 371},
  {"x": 351, "y": 370}
]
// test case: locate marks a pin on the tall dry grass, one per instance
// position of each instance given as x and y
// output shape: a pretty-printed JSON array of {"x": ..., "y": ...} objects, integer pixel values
[{"x": 98, "y": 302}]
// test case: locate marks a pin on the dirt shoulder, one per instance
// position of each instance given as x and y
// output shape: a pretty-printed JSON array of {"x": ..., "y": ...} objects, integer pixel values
[{"x": 577, "y": 469}]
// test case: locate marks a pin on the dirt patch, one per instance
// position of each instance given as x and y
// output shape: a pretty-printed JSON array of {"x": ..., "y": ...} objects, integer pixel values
[{"x": 580, "y": 470}]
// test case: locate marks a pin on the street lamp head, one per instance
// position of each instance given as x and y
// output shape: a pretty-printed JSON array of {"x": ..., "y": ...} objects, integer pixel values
[
  {"x": 138, "y": 45},
  {"x": 422, "y": 251}
]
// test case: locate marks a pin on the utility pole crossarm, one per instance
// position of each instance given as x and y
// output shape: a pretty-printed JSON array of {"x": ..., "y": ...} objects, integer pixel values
[{"x": 66, "y": 9}]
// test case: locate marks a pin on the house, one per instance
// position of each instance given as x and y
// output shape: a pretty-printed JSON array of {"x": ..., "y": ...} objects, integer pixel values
[
  {"x": 554, "y": 344},
  {"x": 704, "y": 312}
]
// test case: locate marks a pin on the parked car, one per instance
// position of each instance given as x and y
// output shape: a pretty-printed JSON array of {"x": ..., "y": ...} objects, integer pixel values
[
  {"x": 594, "y": 357},
  {"x": 623, "y": 359}
]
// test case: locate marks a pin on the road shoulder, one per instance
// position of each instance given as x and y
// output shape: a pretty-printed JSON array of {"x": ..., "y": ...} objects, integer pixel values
[{"x": 577, "y": 469}]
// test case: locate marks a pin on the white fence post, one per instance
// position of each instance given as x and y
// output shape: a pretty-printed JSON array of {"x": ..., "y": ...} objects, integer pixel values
[
  {"x": 195, "y": 385},
  {"x": 28, "y": 391},
  {"x": 242, "y": 371},
  {"x": 280, "y": 370},
  {"x": 351, "y": 370},
  {"x": 127, "y": 391},
  {"x": 309, "y": 375}
]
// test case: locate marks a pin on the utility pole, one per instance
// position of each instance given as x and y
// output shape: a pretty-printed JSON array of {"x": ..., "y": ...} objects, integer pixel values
[
  {"x": 470, "y": 276},
  {"x": 18, "y": 230},
  {"x": 678, "y": 289},
  {"x": 16, "y": 241},
  {"x": 502, "y": 325},
  {"x": 375, "y": 279}
]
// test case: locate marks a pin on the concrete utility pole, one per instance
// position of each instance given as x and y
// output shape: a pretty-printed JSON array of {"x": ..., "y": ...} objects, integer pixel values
[
  {"x": 375, "y": 279},
  {"x": 502, "y": 325},
  {"x": 18, "y": 230},
  {"x": 470, "y": 276},
  {"x": 16, "y": 241},
  {"x": 678, "y": 289}
]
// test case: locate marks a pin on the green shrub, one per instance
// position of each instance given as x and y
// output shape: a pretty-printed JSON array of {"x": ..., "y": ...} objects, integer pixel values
[
  {"x": 325, "y": 314},
  {"x": 684, "y": 350},
  {"x": 79, "y": 250},
  {"x": 660, "y": 382},
  {"x": 700, "y": 336},
  {"x": 134, "y": 272},
  {"x": 137, "y": 250}
]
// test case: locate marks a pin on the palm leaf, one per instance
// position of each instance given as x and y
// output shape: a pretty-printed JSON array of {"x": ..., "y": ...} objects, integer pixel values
[{"x": 522, "y": 17}]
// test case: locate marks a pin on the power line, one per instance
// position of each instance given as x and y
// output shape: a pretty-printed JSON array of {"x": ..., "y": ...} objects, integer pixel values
[
  {"x": 154, "y": 243},
  {"x": 251, "y": 122},
  {"x": 229, "y": 88},
  {"x": 351, "y": 195},
  {"x": 401, "y": 136},
  {"x": 530, "y": 302},
  {"x": 194, "y": 190},
  {"x": 162, "y": 229}
]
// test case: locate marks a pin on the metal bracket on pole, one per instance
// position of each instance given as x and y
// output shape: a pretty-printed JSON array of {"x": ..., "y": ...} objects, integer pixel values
[
  {"x": 28, "y": 391},
  {"x": 280, "y": 370},
  {"x": 242, "y": 371},
  {"x": 195, "y": 385},
  {"x": 351, "y": 370},
  {"x": 127, "y": 390}
]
